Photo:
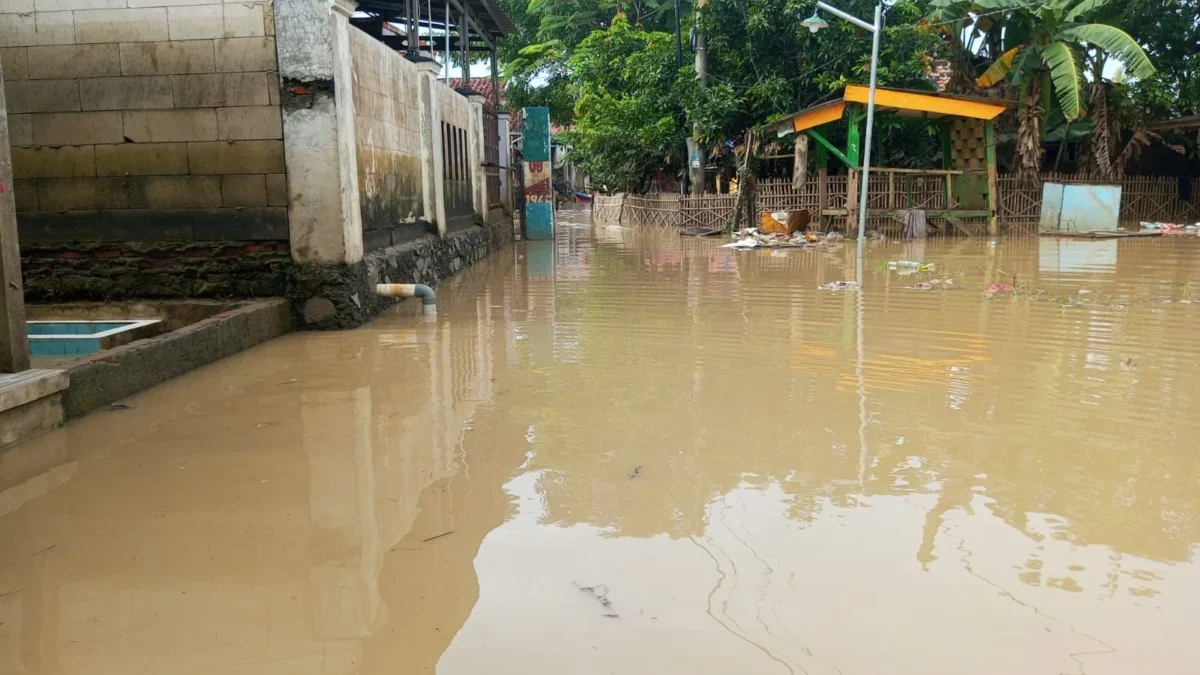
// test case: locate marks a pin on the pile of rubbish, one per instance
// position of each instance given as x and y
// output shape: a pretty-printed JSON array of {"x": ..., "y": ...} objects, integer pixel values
[
  {"x": 1171, "y": 228},
  {"x": 751, "y": 237}
]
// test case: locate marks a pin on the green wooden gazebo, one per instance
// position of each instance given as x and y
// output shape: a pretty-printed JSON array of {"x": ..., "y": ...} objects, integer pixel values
[{"x": 966, "y": 185}]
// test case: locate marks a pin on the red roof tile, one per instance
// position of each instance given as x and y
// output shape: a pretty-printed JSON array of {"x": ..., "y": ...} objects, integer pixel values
[{"x": 483, "y": 85}]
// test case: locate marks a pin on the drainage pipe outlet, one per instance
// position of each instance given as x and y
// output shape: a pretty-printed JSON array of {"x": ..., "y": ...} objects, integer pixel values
[{"x": 428, "y": 299}]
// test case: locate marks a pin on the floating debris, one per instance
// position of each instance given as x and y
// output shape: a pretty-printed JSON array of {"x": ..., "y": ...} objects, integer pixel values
[
  {"x": 751, "y": 237},
  {"x": 1171, "y": 228},
  {"x": 637, "y": 471},
  {"x": 921, "y": 286},
  {"x": 437, "y": 536},
  {"x": 993, "y": 289},
  {"x": 839, "y": 286},
  {"x": 911, "y": 266},
  {"x": 600, "y": 593}
]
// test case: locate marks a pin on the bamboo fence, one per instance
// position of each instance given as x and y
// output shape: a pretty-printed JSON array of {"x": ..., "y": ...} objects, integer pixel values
[{"x": 1143, "y": 198}]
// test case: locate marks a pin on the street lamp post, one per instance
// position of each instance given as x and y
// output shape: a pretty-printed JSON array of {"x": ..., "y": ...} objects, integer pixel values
[{"x": 815, "y": 23}]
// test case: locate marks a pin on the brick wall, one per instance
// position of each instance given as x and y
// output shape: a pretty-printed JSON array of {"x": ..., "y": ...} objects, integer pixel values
[
  {"x": 387, "y": 140},
  {"x": 138, "y": 122}
]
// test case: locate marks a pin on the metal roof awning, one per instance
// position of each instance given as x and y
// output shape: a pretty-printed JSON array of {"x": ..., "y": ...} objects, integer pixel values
[
  {"x": 487, "y": 17},
  {"x": 903, "y": 102}
]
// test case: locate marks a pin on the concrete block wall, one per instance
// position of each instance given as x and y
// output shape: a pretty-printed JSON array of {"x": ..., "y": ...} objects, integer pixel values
[
  {"x": 139, "y": 121},
  {"x": 461, "y": 123},
  {"x": 387, "y": 128}
]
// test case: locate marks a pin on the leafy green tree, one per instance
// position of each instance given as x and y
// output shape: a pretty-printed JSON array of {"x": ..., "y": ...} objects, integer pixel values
[
  {"x": 1169, "y": 30},
  {"x": 627, "y": 122},
  {"x": 1045, "y": 47},
  {"x": 536, "y": 58},
  {"x": 763, "y": 64}
]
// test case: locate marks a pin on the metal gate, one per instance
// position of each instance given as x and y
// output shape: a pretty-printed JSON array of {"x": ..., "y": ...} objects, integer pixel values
[{"x": 456, "y": 178}]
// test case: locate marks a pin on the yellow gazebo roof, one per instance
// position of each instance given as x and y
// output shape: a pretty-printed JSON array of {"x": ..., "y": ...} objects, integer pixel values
[{"x": 899, "y": 101}]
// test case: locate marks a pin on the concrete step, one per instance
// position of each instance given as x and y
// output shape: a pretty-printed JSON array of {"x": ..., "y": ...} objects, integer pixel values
[{"x": 30, "y": 403}]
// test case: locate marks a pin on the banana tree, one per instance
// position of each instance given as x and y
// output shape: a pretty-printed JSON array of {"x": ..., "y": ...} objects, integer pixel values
[{"x": 1044, "y": 48}]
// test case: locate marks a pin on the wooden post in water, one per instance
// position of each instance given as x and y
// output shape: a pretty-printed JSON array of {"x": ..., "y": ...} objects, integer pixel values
[
  {"x": 989, "y": 135},
  {"x": 851, "y": 201},
  {"x": 822, "y": 185},
  {"x": 14, "y": 343}
]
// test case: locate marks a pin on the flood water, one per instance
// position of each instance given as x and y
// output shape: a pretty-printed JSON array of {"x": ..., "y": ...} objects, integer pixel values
[{"x": 623, "y": 452}]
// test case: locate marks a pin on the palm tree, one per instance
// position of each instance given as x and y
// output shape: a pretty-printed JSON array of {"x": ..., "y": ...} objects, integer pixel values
[{"x": 1044, "y": 49}]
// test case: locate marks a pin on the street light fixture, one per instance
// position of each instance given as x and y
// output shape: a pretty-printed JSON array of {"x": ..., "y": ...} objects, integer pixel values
[{"x": 814, "y": 23}]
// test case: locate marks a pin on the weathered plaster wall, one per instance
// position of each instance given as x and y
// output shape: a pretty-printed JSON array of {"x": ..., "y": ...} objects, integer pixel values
[
  {"x": 455, "y": 108},
  {"x": 318, "y": 121},
  {"x": 387, "y": 126},
  {"x": 305, "y": 30}
]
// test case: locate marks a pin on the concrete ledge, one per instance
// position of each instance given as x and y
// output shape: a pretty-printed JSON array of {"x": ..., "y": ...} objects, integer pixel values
[
  {"x": 29, "y": 420},
  {"x": 111, "y": 375},
  {"x": 26, "y": 386},
  {"x": 30, "y": 403},
  {"x": 343, "y": 296}
]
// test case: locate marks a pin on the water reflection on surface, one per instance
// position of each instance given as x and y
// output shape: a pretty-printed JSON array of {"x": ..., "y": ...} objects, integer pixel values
[{"x": 623, "y": 452}]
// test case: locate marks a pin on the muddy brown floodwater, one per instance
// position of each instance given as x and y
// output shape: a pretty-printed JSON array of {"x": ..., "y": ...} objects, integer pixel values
[{"x": 623, "y": 452}]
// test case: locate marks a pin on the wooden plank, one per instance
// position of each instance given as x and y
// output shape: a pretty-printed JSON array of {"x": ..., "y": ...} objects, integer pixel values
[
  {"x": 920, "y": 172},
  {"x": 1108, "y": 234},
  {"x": 852, "y": 199},
  {"x": 822, "y": 195},
  {"x": 815, "y": 117},
  {"x": 911, "y": 100},
  {"x": 824, "y": 143}
]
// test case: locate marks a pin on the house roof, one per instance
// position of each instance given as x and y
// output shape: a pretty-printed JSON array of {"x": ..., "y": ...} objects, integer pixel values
[
  {"x": 482, "y": 85},
  {"x": 898, "y": 101},
  {"x": 1177, "y": 124}
]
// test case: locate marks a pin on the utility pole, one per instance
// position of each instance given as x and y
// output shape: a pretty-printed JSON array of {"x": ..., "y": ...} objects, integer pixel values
[
  {"x": 678, "y": 39},
  {"x": 696, "y": 158}
]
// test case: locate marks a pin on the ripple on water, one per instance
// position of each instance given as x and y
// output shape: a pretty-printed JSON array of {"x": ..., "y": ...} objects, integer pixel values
[{"x": 623, "y": 451}]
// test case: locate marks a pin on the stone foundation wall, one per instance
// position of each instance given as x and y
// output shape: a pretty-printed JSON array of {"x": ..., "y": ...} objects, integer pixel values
[
  {"x": 343, "y": 296},
  {"x": 113, "y": 271}
]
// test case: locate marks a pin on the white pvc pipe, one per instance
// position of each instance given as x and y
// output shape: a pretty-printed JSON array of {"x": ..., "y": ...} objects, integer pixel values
[{"x": 428, "y": 297}]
